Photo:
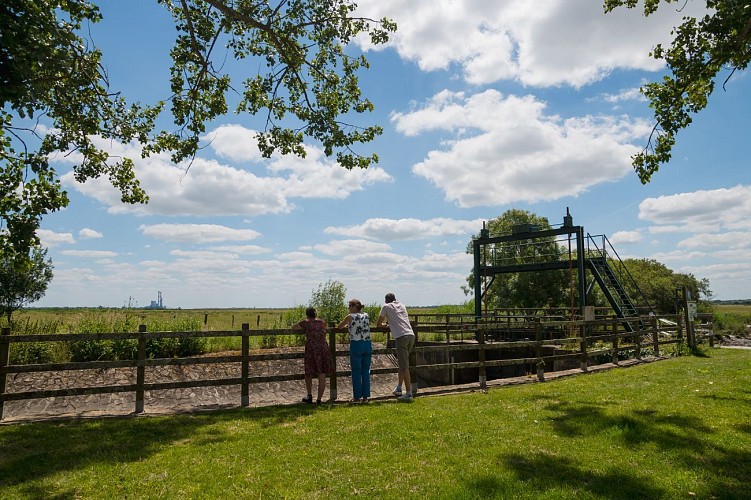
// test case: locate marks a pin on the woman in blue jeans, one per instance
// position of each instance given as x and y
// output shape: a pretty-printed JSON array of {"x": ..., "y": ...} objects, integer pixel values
[{"x": 360, "y": 349}]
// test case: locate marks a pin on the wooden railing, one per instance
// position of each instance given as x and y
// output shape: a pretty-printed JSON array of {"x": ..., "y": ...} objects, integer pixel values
[{"x": 529, "y": 342}]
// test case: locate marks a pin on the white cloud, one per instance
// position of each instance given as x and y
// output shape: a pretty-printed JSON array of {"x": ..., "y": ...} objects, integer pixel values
[
  {"x": 700, "y": 211},
  {"x": 241, "y": 249},
  {"x": 344, "y": 248},
  {"x": 505, "y": 149},
  {"x": 89, "y": 253},
  {"x": 207, "y": 187},
  {"x": 316, "y": 176},
  {"x": 234, "y": 142},
  {"x": 87, "y": 234},
  {"x": 667, "y": 229},
  {"x": 407, "y": 229},
  {"x": 51, "y": 238},
  {"x": 197, "y": 233},
  {"x": 541, "y": 43},
  {"x": 625, "y": 237},
  {"x": 677, "y": 256},
  {"x": 632, "y": 94},
  {"x": 728, "y": 240}
]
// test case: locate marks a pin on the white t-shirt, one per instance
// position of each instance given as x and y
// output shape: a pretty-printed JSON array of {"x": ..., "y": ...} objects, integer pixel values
[{"x": 398, "y": 319}]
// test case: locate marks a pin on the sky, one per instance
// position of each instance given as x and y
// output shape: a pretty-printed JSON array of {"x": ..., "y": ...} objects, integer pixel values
[{"x": 485, "y": 106}]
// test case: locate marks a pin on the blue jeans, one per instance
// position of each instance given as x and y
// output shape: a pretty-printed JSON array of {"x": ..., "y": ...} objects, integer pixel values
[{"x": 360, "y": 352}]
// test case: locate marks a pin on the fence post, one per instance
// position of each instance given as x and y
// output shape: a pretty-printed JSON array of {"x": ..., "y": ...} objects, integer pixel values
[
  {"x": 140, "y": 368},
  {"x": 614, "y": 353},
  {"x": 638, "y": 341},
  {"x": 244, "y": 395},
  {"x": 413, "y": 358},
  {"x": 538, "y": 352},
  {"x": 680, "y": 331},
  {"x": 4, "y": 358},
  {"x": 483, "y": 377},
  {"x": 332, "y": 382},
  {"x": 655, "y": 337},
  {"x": 583, "y": 347}
]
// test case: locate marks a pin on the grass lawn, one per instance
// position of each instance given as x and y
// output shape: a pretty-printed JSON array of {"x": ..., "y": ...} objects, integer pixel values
[{"x": 679, "y": 428}]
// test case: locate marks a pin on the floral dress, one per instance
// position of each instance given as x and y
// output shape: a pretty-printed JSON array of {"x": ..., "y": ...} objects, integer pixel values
[{"x": 317, "y": 353}]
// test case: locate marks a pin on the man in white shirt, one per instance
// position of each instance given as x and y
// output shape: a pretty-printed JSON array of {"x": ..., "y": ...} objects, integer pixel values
[{"x": 394, "y": 314}]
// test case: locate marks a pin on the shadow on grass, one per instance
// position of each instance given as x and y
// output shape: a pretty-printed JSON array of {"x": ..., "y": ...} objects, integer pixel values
[
  {"x": 545, "y": 472},
  {"x": 686, "y": 438},
  {"x": 30, "y": 452},
  {"x": 643, "y": 426},
  {"x": 544, "y": 476}
]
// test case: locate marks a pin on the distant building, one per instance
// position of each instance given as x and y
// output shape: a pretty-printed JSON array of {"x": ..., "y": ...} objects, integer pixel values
[{"x": 156, "y": 304}]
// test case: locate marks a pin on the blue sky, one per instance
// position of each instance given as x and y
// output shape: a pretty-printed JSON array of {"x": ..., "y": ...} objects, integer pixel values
[{"x": 485, "y": 106}]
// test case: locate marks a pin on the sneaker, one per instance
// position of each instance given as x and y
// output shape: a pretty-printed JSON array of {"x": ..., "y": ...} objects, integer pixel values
[
  {"x": 397, "y": 392},
  {"x": 407, "y": 398}
]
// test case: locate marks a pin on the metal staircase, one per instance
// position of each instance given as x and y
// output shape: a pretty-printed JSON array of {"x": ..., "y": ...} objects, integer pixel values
[{"x": 611, "y": 279}]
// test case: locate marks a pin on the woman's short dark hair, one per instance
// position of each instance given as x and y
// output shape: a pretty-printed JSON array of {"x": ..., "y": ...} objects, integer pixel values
[
  {"x": 356, "y": 304},
  {"x": 310, "y": 312}
]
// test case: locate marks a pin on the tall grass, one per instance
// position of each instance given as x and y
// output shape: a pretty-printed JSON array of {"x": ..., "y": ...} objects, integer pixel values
[
  {"x": 732, "y": 319},
  {"x": 103, "y": 321}
]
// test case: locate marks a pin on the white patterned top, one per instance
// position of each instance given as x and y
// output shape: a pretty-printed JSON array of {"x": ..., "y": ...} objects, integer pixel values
[{"x": 359, "y": 327}]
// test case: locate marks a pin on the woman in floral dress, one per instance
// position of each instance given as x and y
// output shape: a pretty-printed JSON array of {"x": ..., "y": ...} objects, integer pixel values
[{"x": 318, "y": 359}]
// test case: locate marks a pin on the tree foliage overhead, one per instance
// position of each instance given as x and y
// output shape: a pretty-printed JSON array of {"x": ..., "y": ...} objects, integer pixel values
[
  {"x": 532, "y": 289},
  {"x": 700, "y": 50},
  {"x": 23, "y": 279},
  {"x": 55, "y": 94}
]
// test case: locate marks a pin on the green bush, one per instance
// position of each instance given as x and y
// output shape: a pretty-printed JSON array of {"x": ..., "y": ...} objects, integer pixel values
[
  {"x": 90, "y": 350},
  {"x": 124, "y": 349},
  {"x": 124, "y": 322},
  {"x": 729, "y": 323},
  {"x": 28, "y": 353},
  {"x": 24, "y": 353}
]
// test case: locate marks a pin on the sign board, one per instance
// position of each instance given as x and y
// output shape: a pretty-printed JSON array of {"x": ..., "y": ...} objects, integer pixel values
[
  {"x": 691, "y": 311},
  {"x": 589, "y": 313}
]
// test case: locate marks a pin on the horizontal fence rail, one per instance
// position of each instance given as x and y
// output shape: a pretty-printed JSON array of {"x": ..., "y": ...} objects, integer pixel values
[{"x": 535, "y": 342}]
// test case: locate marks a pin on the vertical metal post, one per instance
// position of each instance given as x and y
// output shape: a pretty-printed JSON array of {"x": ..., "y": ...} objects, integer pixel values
[
  {"x": 244, "y": 393},
  {"x": 580, "y": 255},
  {"x": 140, "y": 368},
  {"x": 478, "y": 282}
]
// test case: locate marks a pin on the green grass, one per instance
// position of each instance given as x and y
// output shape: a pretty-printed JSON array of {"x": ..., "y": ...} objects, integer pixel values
[{"x": 672, "y": 429}]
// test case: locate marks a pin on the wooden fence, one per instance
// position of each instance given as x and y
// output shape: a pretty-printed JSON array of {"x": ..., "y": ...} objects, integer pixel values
[{"x": 534, "y": 343}]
